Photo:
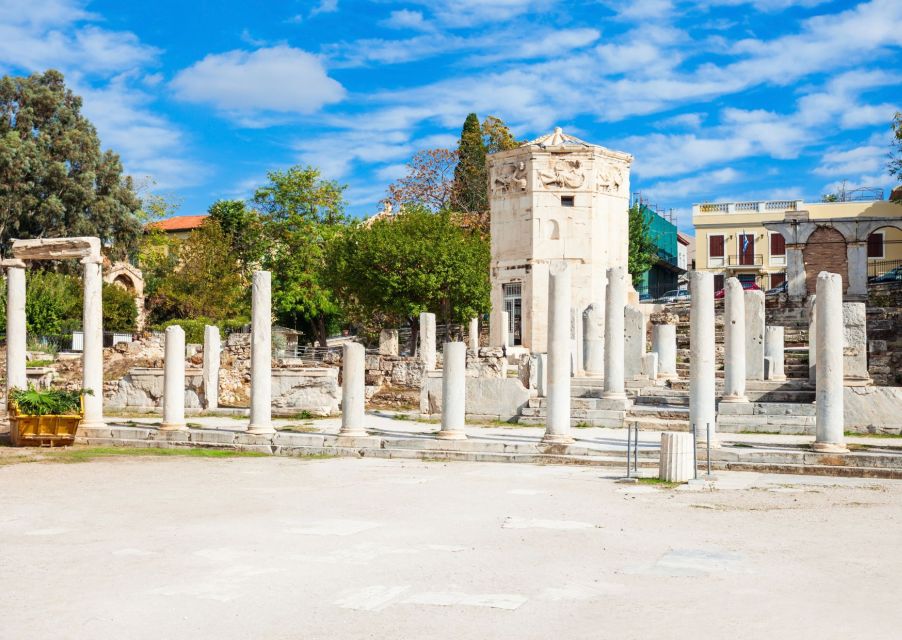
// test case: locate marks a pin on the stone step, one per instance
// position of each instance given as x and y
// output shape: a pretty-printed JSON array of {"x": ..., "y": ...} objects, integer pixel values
[{"x": 766, "y": 409}]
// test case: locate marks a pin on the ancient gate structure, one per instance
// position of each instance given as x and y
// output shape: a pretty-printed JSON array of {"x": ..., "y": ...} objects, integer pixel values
[{"x": 87, "y": 250}]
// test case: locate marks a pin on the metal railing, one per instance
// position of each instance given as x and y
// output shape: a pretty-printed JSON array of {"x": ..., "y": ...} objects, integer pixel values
[
  {"x": 745, "y": 260},
  {"x": 879, "y": 267}
]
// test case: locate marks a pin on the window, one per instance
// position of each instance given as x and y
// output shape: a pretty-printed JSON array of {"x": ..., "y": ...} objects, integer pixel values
[
  {"x": 566, "y": 201},
  {"x": 746, "y": 278},
  {"x": 875, "y": 245},
  {"x": 776, "y": 279},
  {"x": 718, "y": 281},
  {"x": 715, "y": 250},
  {"x": 777, "y": 249}
]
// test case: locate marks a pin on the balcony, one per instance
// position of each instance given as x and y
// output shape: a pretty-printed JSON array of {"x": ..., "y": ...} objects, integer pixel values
[
  {"x": 758, "y": 206},
  {"x": 745, "y": 260}
]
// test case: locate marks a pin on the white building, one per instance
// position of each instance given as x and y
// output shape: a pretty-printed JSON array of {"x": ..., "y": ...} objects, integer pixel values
[{"x": 554, "y": 198}]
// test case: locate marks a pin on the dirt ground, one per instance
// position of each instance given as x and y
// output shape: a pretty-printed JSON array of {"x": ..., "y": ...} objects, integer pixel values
[{"x": 179, "y": 547}]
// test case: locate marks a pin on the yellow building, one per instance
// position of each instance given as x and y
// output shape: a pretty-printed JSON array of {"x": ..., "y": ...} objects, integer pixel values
[{"x": 771, "y": 242}]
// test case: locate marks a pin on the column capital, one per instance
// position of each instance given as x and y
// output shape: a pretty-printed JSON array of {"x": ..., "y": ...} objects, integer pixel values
[
  {"x": 92, "y": 260},
  {"x": 12, "y": 263}
]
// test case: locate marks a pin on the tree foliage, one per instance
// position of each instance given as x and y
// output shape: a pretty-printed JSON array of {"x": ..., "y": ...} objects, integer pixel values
[
  {"x": 416, "y": 262},
  {"x": 470, "y": 190},
  {"x": 642, "y": 250},
  {"x": 429, "y": 180},
  {"x": 205, "y": 279},
  {"x": 244, "y": 229},
  {"x": 54, "y": 178},
  {"x": 303, "y": 213},
  {"x": 496, "y": 136}
]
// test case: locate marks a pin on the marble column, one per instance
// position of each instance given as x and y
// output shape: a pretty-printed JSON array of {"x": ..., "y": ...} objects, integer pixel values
[
  {"x": 796, "y": 286},
  {"x": 505, "y": 329},
  {"x": 663, "y": 342},
  {"x": 811, "y": 306},
  {"x": 633, "y": 342},
  {"x": 174, "y": 380},
  {"x": 427, "y": 341},
  {"x": 829, "y": 341},
  {"x": 212, "y": 354},
  {"x": 261, "y": 354},
  {"x": 754, "y": 335},
  {"x": 593, "y": 336},
  {"x": 734, "y": 342},
  {"x": 702, "y": 412},
  {"x": 473, "y": 335},
  {"x": 454, "y": 392},
  {"x": 857, "y": 257},
  {"x": 557, "y": 428},
  {"x": 92, "y": 355},
  {"x": 16, "y": 339},
  {"x": 615, "y": 304},
  {"x": 773, "y": 353},
  {"x": 353, "y": 397}
]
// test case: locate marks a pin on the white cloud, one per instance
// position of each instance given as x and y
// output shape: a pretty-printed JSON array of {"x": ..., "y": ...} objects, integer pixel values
[
  {"x": 279, "y": 79},
  {"x": 150, "y": 145},
  {"x": 867, "y": 159},
  {"x": 407, "y": 19},
  {"x": 698, "y": 188},
  {"x": 681, "y": 121},
  {"x": 325, "y": 6},
  {"x": 42, "y": 13},
  {"x": 467, "y": 13}
]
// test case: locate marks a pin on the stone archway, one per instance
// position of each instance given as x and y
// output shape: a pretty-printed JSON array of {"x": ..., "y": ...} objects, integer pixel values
[{"x": 825, "y": 250}]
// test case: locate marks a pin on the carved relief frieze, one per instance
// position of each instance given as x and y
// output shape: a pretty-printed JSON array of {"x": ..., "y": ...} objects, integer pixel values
[
  {"x": 509, "y": 178},
  {"x": 563, "y": 173},
  {"x": 611, "y": 179}
]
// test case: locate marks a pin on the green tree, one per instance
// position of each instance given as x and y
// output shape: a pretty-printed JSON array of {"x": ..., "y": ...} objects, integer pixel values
[
  {"x": 642, "y": 250},
  {"x": 303, "y": 212},
  {"x": 54, "y": 178},
  {"x": 205, "y": 281},
  {"x": 53, "y": 303},
  {"x": 418, "y": 261},
  {"x": 245, "y": 231},
  {"x": 119, "y": 310},
  {"x": 496, "y": 136},
  {"x": 470, "y": 192}
]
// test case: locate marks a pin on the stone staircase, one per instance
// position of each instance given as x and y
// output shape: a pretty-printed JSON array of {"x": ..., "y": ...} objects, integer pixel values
[{"x": 774, "y": 406}]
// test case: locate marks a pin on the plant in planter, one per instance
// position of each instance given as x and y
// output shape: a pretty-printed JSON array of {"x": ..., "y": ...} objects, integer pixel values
[{"x": 45, "y": 418}]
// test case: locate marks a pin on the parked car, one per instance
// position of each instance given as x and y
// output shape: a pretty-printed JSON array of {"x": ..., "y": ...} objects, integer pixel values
[
  {"x": 780, "y": 288},
  {"x": 747, "y": 286},
  {"x": 674, "y": 295},
  {"x": 893, "y": 275}
]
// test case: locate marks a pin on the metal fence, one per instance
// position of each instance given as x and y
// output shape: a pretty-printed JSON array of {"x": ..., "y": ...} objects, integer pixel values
[{"x": 879, "y": 267}]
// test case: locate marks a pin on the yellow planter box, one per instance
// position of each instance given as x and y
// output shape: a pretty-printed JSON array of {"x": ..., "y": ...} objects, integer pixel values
[{"x": 43, "y": 431}]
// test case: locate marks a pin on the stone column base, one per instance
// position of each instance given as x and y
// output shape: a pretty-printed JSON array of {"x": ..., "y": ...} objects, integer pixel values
[
  {"x": 554, "y": 438},
  {"x": 173, "y": 426},
  {"x": 260, "y": 431},
  {"x": 829, "y": 447},
  {"x": 451, "y": 434},
  {"x": 734, "y": 399}
]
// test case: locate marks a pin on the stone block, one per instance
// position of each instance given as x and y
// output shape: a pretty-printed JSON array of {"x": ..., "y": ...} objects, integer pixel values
[
  {"x": 388, "y": 342},
  {"x": 499, "y": 397},
  {"x": 754, "y": 335}
]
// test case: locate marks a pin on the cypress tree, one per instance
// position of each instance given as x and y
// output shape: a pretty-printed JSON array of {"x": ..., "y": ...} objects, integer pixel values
[{"x": 470, "y": 193}]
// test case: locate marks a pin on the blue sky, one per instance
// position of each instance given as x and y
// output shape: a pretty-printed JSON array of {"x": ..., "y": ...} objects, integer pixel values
[{"x": 716, "y": 99}]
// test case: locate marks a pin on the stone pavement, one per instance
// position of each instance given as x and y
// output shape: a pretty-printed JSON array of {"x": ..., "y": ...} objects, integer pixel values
[{"x": 361, "y": 548}]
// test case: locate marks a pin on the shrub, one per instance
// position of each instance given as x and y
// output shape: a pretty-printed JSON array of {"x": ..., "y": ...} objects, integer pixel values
[
  {"x": 52, "y": 402},
  {"x": 194, "y": 327},
  {"x": 119, "y": 311}
]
